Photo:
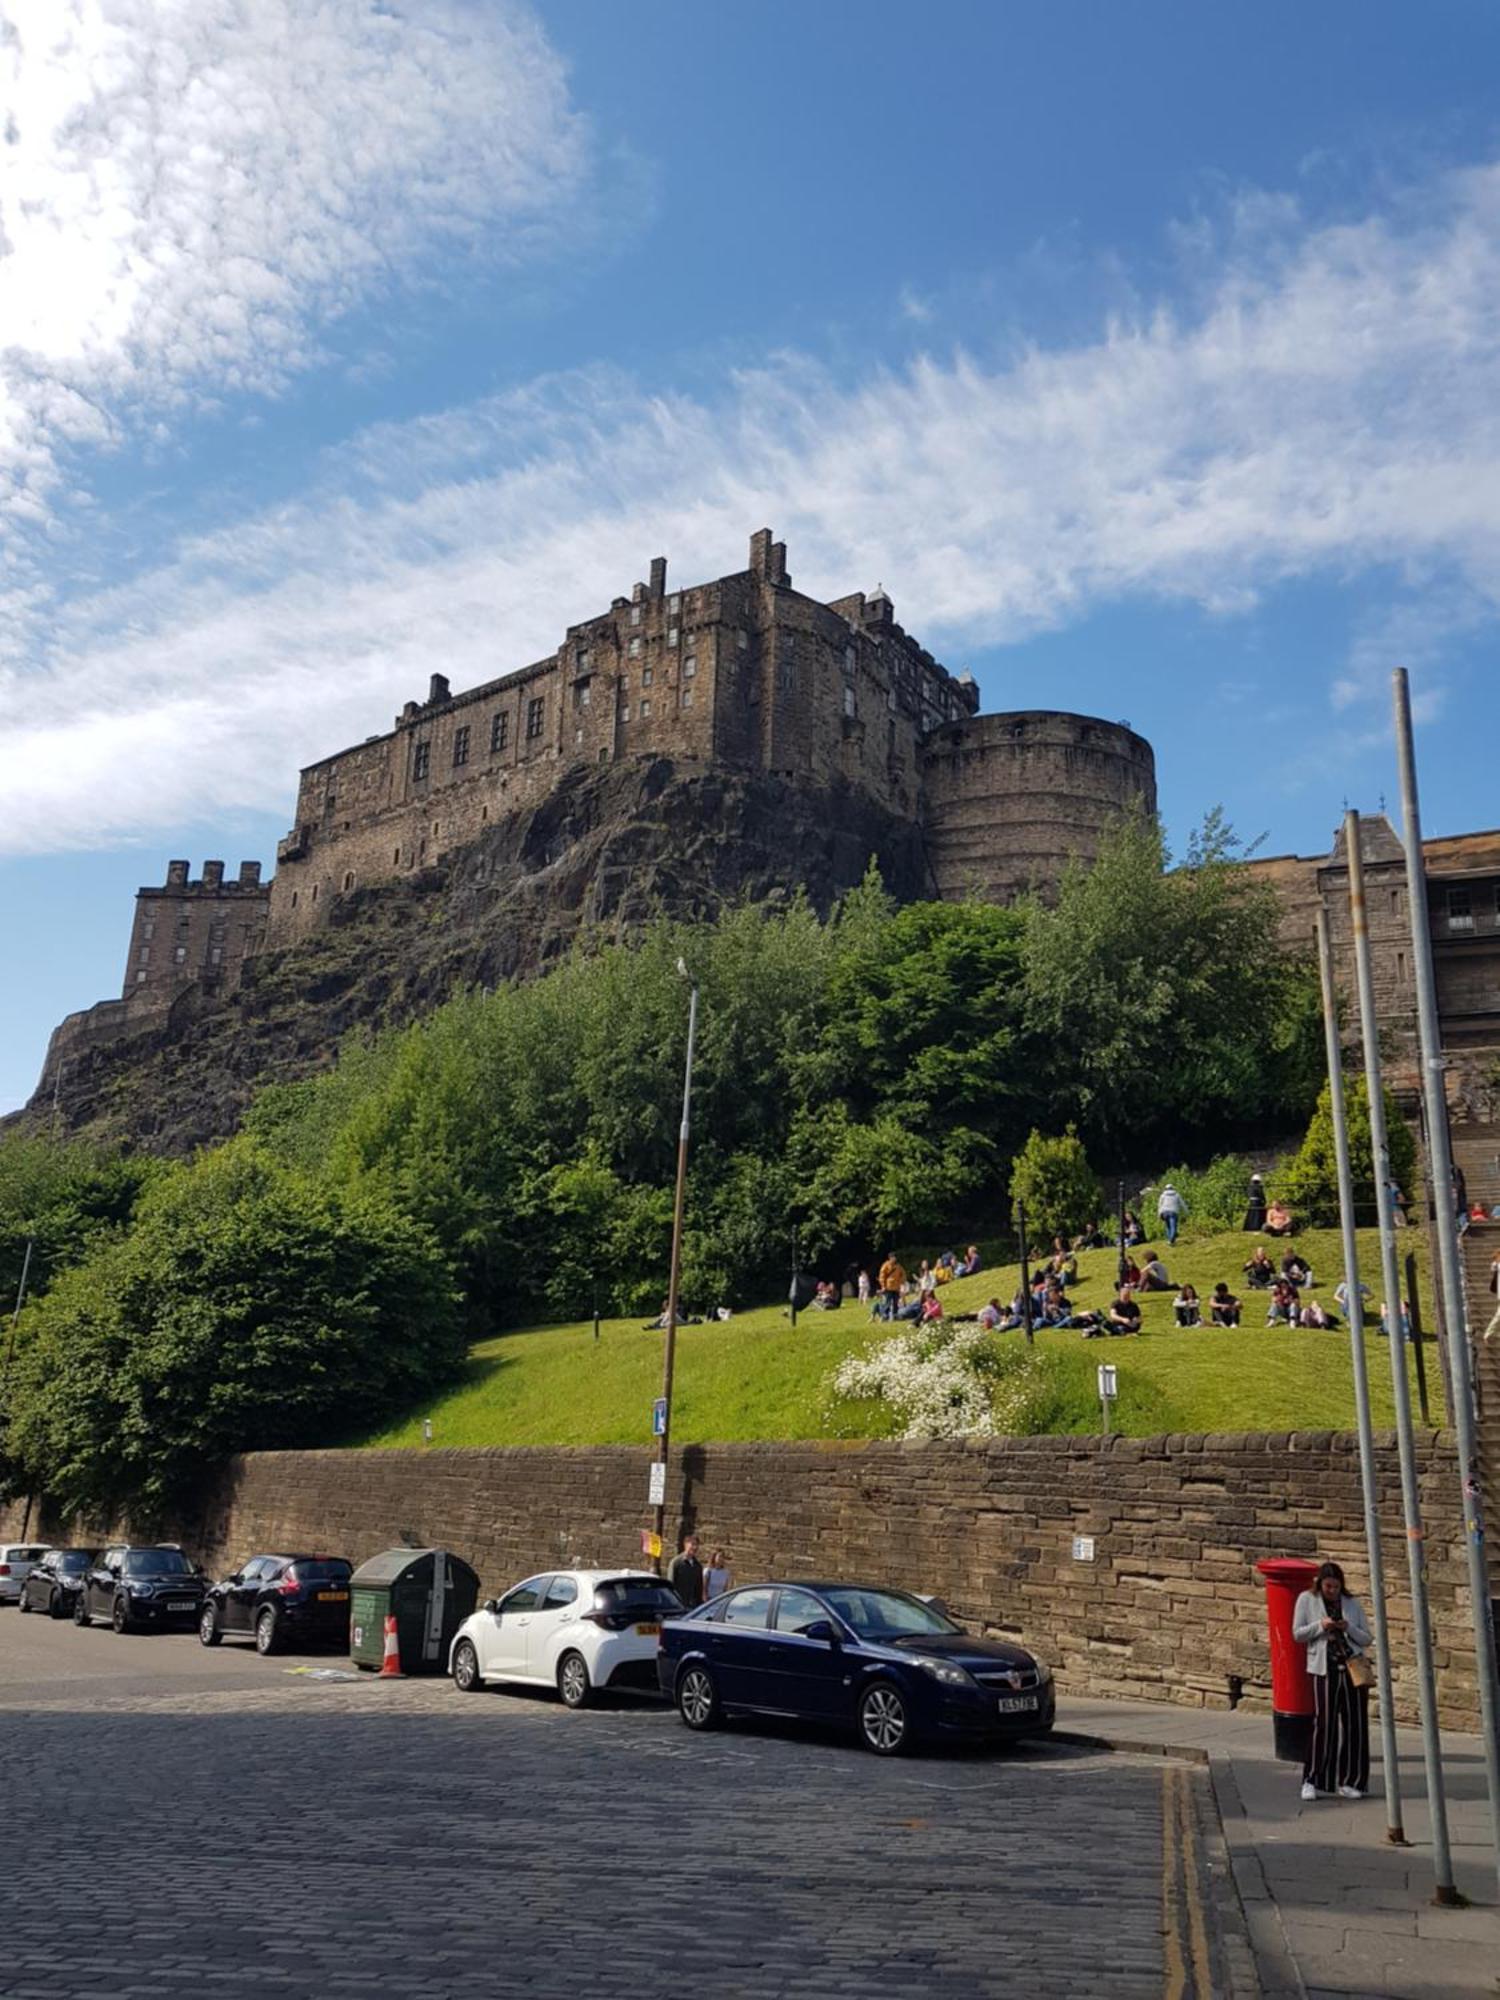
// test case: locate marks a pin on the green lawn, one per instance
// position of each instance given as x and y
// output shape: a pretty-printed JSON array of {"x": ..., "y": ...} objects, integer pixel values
[{"x": 755, "y": 1377}]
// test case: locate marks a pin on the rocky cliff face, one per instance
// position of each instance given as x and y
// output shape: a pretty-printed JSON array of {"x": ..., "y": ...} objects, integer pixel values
[{"x": 609, "y": 848}]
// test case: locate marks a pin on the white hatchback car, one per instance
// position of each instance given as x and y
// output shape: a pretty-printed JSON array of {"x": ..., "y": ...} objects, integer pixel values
[
  {"x": 17, "y": 1561},
  {"x": 578, "y": 1630}
]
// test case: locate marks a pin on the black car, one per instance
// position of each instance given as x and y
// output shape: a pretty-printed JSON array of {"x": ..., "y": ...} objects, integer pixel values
[
  {"x": 280, "y": 1601},
  {"x": 137, "y": 1588},
  {"x": 894, "y": 1667},
  {"x": 54, "y": 1583}
]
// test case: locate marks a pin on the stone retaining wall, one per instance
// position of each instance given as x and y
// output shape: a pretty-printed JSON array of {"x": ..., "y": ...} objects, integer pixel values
[{"x": 1168, "y": 1608}]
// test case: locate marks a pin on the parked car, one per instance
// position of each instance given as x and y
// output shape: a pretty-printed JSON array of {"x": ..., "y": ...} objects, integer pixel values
[
  {"x": 894, "y": 1667},
  {"x": 138, "y": 1587},
  {"x": 280, "y": 1601},
  {"x": 55, "y": 1581},
  {"x": 578, "y": 1630},
  {"x": 16, "y": 1560}
]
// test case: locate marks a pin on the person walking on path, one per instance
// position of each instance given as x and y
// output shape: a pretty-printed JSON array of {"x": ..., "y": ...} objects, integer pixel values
[
  {"x": 1332, "y": 1626},
  {"x": 1170, "y": 1209},
  {"x": 685, "y": 1572}
]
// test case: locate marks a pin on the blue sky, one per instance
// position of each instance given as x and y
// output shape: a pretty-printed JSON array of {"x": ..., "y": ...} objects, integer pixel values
[{"x": 1148, "y": 355}]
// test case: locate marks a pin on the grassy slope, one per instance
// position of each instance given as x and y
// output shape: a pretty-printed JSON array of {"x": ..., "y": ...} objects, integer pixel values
[{"x": 754, "y": 1377}]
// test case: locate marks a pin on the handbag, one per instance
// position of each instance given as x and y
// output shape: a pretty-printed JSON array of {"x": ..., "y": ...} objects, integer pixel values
[{"x": 1361, "y": 1673}]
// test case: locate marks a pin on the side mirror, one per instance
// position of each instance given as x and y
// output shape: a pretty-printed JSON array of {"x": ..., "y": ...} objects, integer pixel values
[
  {"x": 114, "y": 1569},
  {"x": 936, "y": 1604},
  {"x": 492, "y": 1605},
  {"x": 820, "y": 1629}
]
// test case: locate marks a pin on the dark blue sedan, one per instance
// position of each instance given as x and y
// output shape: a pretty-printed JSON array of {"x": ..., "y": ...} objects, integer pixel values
[{"x": 895, "y": 1667}]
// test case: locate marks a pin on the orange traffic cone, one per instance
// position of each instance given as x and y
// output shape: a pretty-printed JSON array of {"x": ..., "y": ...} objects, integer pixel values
[{"x": 390, "y": 1665}]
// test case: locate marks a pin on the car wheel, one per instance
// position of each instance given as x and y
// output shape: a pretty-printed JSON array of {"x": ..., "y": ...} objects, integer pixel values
[
  {"x": 119, "y": 1617},
  {"x": 884, "y": 1724},
  {"x": 466, "y": 1668},
  {"x": 21, "y": 1604},
  {"x": 81, "y": 1610},
  {"x": 57, "y": 1605},
  {"x": 698, "y": 1699},
  {"x": 267, "y": 1638},
  {"x": 208, "y": 1627},
  {"x": 573, "y": 1682}
]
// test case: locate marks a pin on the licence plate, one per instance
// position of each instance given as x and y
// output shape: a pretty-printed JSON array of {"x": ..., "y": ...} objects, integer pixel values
[
  {"x": 182, "y": 1604},
  {"x": 333, "y": 1597},
  {"x": 648, "y": 1631},
  {"x": 1016, "y": 1704}
]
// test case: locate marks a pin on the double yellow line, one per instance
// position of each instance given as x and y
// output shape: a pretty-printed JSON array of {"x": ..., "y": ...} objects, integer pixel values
[{"x": 1187, "y": 1970}]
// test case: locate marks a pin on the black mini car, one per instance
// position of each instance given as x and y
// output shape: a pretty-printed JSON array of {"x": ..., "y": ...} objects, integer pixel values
[
  {"x": 137, "y": 1588},
  {"x": 280, "y": 1601},
  {"x": 56, "y": 1580}
]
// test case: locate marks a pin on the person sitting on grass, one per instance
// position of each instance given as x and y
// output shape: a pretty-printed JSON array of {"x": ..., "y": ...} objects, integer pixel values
[
  {"x": 1282, "y": 1309},
  {"x": 826, "y": 1296},
  {"x": 1311, "y": 1313},
  {"x": 1064, "y": 1267},
  {"x": 1154, "y": 1276},
  {"x": 1016, "y": 1315},
  {"x": 970, "y": 1266},
  {"x": 944, "y": 1271},
  {"x": 1223, "y": 1307},
  {"x": 1279, "y": 1219},
  {"x": 1185, "y": 1307},
  {"x": 1124, "y": 1315},
  {"x": 991, "y": 1315},
  {"x": 1296, "y": 1270},
  {"x": 1385, "y": 1320},
  {"x": 1090, "y": 1238},
  {"x": 1056, "y": 1308},
  {"x": 1132, "y": 1275},
  {"x": 932, "y": 1309},
  {"x": 1134, "y": 1229},
  {"x": 1260, "y": 1272}
]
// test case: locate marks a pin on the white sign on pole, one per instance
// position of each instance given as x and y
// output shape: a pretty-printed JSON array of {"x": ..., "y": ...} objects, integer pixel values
[
  {"x": 657, "y": 1494},
  {"x": 1107, "y": 1388},
  {"x": 1083, "y": 1548}
]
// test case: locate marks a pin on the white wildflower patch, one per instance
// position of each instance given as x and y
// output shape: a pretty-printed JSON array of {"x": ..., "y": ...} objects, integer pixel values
[{"x": 931, "y": 1378}]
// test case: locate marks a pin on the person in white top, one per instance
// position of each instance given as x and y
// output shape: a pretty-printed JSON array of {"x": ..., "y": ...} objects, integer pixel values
[
  {"x": 1170, "y": 1209},
  {"x": 1332, "y": 1626},
  {"x": 716, "y": 1578}
]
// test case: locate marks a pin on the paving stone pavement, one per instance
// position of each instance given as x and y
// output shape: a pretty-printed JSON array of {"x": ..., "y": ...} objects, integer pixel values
[{"x": 235, "y": 1826}]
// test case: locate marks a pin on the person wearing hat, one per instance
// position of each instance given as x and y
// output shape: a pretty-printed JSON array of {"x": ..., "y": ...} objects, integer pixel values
[{"x": 1332, "y": 1626}]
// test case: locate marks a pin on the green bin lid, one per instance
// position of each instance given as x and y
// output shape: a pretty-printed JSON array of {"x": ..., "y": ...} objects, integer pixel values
[{"x": 393, "y": 1566}]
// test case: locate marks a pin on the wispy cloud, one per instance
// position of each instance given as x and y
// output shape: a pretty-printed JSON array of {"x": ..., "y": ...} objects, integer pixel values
[
  {"x": 189, "y": 189},
  {"x": 1330, "y": 404}
]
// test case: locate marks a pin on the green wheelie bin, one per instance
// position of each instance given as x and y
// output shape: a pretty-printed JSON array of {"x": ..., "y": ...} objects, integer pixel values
[{"x": 429, "y": 1592}]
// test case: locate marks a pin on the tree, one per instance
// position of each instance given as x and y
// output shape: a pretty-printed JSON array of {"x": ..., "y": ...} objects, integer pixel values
[
  {"x": 1310, "y": 1185},
  {"x": 1059, "y": 1187}
]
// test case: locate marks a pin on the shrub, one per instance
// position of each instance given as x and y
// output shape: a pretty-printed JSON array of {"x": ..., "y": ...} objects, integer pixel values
[
  {"x": 1310, "y": 1184},
  {"x": 1059, "y": 1187},
  {"x": 1215, "y": 1195}
]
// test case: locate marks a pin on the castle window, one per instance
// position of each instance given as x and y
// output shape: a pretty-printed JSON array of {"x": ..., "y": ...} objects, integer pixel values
[
  {"x": 648, "y": 675},
  {"x": 315, "y": 892},
  {"x": 460, "y": 746},
  {"x": 786, "y": 676},
  {"x": 624, "y": 711},
  {"x": 686, "y": 697},
  {"x": 139, "y": 977},
  {"x": 536, "y": 715},
  {"x": 850, "y": 708},
  {"x": 180, "y": 953},
  {"x": 1401, "y": 971},
  {"x": 421, "y": 759},
  {"x": 674, "y": 605},
  {"x": 635, "y": 614},
  {"x": 742, "y": 641},
  {"x": 624, "y": 684},
  {"x": 671, "y": 635},
  {"x": 583, "y": 662},
  {"x": 645, "y": 710},
  {"x": 145, "y": 954},
  {"x": 635, "y": 649},
  {"x": 215, "y": 955},
  {"x": 577, "y": 737},
  {"x": 689, "y": 667},
  {"x": 434, "y": 826},
  {"x": 499, "y": 731},
  {"x": 294, "y": 899},
  {"x": 348, "y": 881},
  {"x": 148, "y": 928},
  {"x": 1460, "y": 910},
  {"x": 848, "y": 659},
  {"x": 583, "y": 694},
  {"x": 396, "y": 857}
]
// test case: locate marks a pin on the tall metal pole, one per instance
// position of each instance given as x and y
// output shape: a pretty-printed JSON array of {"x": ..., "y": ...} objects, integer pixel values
[
  {"x": 1416, "y": 1555},
  {"x": 1389, "y": 1755},
  {"x": 670, "y": 1358},
  {"x": 1025, "y": 1273},
  {"x": 1440, "y": 1160},
  {"x": 1124, "y": 1253}
]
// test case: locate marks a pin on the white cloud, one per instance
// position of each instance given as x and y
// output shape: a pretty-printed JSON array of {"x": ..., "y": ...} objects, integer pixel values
[
  {"x": 189, "y": 187},
  {"x": 1331, "y": 405}
]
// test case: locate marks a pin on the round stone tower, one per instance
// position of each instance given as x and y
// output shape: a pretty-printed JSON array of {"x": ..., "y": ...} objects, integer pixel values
[{"x": 1008, "y": 800}]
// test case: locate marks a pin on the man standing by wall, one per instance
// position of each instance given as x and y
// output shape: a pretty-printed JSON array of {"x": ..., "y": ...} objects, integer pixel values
[{"x": 685, "y": 1573}]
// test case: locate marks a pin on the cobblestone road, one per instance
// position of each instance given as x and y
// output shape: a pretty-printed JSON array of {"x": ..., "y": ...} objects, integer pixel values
[{"x": 180, "y": 1822}]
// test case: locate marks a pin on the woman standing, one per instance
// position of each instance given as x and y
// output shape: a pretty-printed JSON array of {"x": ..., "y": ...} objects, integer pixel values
[
  {"x": 716, "y": 1578},
  {"x": 1332, "y": 1626}
]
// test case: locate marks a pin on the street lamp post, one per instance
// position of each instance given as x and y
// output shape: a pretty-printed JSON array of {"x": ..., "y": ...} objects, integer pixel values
[{"x": 670, "y": 1357}]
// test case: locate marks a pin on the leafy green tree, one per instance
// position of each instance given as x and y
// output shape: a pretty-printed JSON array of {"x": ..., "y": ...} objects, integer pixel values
[
  {"x": 62, "y": 1198},
  {"x": 1310, "y": 1184},
  {"x": 1059, "y": 1187}
]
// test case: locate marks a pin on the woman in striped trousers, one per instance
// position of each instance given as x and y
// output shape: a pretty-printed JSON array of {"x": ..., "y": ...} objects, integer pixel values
[{"x": 1332, "y": 1626}]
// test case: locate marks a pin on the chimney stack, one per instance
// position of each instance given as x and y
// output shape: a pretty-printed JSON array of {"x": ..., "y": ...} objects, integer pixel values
[
  {"x": 249, "y": 874},
  {"x": 760, "y": 551},
  {"x": 658, "y": 576},
  {"x": 437, "y": 689},
  {"x": 177, "y": 874},
  {"x": 213, "y": 874}
]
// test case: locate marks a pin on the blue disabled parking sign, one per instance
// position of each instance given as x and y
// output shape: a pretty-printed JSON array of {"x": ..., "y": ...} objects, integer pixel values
[{"x": 659, "y": 1417}]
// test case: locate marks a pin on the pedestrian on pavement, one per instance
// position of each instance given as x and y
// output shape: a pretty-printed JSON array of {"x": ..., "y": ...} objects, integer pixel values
[
  {"x": 685, "y": 1572},
  {"x": 1170, "y": 1209},
  {"x": 1332, "y": 1626},
  {"x": 716, "y": 1578}
]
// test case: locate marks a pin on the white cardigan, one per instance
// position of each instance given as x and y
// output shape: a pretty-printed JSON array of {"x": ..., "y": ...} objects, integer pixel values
[{"x": 1307, "y": 1628}]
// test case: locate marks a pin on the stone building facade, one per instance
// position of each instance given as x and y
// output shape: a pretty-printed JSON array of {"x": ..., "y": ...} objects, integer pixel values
[{"x": 743, "y": 673}]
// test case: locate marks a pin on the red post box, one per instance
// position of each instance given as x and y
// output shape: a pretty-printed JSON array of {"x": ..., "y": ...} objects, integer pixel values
[{"x": 1291, "y": 1684}]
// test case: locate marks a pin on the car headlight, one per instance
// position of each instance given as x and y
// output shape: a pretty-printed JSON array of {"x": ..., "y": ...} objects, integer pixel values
[
  {"x": 1043, "y": 1671},
  {"x": 139, "y": 1589},
  {"x": 943, "y": 1670}
]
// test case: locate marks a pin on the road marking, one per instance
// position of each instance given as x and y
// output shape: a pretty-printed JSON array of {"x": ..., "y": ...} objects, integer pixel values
[{"x": 1187, "y": 1966}]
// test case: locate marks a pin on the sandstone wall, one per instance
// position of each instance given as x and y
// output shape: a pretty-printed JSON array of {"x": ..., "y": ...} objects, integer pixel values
[{"x": 1168, "y": 1608}]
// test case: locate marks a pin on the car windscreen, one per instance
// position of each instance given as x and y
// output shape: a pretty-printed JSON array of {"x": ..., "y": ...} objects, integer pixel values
[
  {"x": 157, "y": 1562},
  {"x": 327, "y": 1570},
  {"x": 886, "y": 1614},
  {"x": 637, "y": 1594},
  {"x": 74, "y": 1561}
]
